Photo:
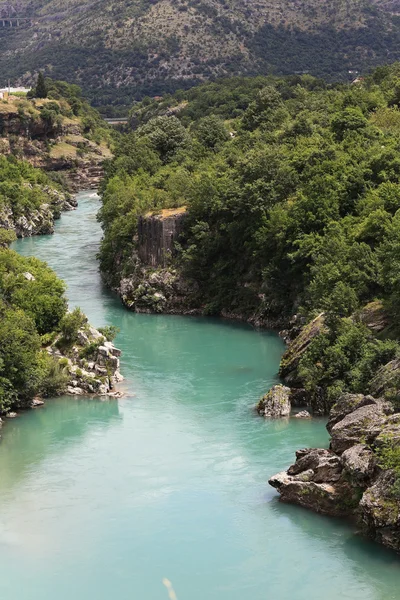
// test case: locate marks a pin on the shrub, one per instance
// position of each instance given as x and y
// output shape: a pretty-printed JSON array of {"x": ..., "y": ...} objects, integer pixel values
[{"x": 70, "y": 325}]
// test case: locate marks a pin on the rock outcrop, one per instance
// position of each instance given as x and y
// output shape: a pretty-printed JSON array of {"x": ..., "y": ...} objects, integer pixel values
[
  {"x": 38, "y": 221},
  {"x": 348, "y": 478},
  {"x": 91, "y": 364},
  {"x": 157, "y": 234},
  {"x": 275, "y": 403},
  {"x": 151, "y": 290}
]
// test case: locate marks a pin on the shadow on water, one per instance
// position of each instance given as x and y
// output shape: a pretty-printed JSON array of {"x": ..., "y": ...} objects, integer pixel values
[
  {"x": 47, "y": 431},
  {"x": 379, "y": 567}
]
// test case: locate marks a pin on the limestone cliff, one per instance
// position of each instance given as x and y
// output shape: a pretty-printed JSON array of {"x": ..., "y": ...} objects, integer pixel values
[{"x": 157, "y": 235}]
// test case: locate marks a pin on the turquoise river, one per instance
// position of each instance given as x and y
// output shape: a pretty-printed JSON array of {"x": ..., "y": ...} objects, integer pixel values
[{"x": 104, "y": 499}]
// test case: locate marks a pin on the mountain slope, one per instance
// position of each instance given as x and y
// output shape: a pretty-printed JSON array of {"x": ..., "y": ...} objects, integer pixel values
[{"x": 153, "y": 46}]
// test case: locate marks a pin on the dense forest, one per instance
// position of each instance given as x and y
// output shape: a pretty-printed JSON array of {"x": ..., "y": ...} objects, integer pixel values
[{"x": 292, "y": 189}]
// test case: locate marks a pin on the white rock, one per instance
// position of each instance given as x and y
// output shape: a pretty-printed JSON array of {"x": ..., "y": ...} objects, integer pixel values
[{"x": 29, "y": 276}]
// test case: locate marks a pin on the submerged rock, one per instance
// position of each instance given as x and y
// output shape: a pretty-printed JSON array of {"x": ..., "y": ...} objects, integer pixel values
[{"x": 276, "y": 403}]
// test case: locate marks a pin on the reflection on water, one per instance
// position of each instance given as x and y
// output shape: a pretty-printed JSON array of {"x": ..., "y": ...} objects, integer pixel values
[{"x": 105, "y": 499}]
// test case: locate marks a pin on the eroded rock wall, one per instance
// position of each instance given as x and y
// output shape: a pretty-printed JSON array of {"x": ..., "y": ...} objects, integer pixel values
[{"x": 157, "y": 234}]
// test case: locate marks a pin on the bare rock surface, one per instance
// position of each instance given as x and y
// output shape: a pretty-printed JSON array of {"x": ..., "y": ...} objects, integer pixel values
[{"x": 347, "y": 479}]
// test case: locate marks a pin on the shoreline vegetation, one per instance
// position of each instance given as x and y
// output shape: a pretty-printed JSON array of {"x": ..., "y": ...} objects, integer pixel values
[
  {"x": 44, "y": 349},
  {"x": 277, "y": 200}
]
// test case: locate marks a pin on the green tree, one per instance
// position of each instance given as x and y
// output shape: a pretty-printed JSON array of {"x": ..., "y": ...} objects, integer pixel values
[{"x": 41, "y": 87}]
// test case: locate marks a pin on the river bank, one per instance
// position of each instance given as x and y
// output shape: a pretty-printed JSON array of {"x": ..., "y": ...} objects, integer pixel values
[{"x": 169, "y": 481}]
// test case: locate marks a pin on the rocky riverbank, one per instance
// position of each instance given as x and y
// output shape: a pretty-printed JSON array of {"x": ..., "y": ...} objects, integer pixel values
[
  {"x": 89, "y": 367},
  {"x": 38, "y": 221},
  {"x": 353, "y": 477},
  {"x": 91, "y": 364}
]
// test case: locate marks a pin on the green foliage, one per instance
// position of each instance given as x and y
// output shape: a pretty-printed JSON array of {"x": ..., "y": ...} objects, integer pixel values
[
  {"x": 70, "y": 325},
  {"x": 389, "y": 458},
  {"x": 22, "y": 189},
  {"x": 32, "y": 305},
  {"x": 166, "y": 135},
  {"x": 54, "y": 377},
  {"x": 293, "y": 205},
  {"x": 7, "y": 236},
  {"x": 28, "y": 284},
  {"x": 41, "y": 90},
  {"x": 211, "y": 132},
  {"x": 90, "y": 350},
  {"x": 109, "y": 331},
  {"x": 345, "y": 358}
]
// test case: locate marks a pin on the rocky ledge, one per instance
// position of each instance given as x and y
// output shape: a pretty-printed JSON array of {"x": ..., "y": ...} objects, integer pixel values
[
  {"x": 158, "y": 290},
  {"x": 352, "y": 478}
]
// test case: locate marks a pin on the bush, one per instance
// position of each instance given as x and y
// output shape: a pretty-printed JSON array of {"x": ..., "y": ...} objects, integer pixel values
[
  {"x": 70, "y": 325},
  {"x": 110, "y": 332}
]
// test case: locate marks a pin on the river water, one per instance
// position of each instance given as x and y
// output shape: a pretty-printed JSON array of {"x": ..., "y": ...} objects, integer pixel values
[{"x": 104, "y": 499}]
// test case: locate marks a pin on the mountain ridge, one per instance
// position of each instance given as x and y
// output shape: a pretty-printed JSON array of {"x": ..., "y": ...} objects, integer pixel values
[{"x": 123, "y": 49}]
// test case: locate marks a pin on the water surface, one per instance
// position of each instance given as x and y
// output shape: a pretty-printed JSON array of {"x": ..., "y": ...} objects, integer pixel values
[{"x": 103, "y": 499}]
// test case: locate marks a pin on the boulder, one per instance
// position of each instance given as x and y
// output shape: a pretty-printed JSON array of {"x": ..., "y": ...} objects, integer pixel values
[
  {"x": 359, "y": 463},
  {"x": 347, "y": 480},
  {"x": 276, "y": 403},
  {"x": 303, "y": 414},
  {"x": 74, "y": 391},
  {"x": 360, "y": 426},
  {"x": 37, "y": 402},
  {"x": 347, "y": 404}
]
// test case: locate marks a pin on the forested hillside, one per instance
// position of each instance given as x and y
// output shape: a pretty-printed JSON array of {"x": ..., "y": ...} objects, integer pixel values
[
  {"x": 292, "y": 190},
  {"x": 55, "y": 129},
  {"x": 141, "y": 47}
]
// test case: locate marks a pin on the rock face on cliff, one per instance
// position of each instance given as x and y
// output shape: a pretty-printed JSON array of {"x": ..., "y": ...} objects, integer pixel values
[
  {"x": 156, "y": 285},
  {"x": 157, "y": 234},
  {"x": 151, "y": 290},
  {"x": 347, "y": 480}
]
